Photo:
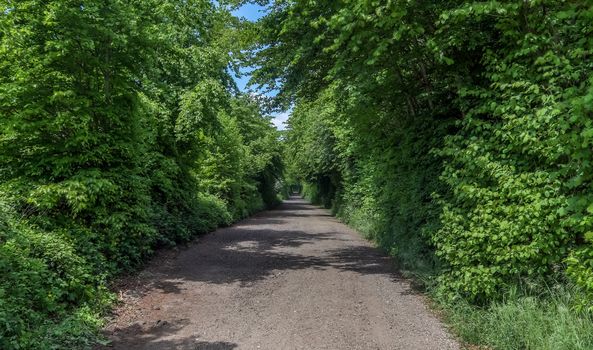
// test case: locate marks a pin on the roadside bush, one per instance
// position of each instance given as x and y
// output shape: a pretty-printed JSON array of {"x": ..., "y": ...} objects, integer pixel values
[
  {"x": 516, "y": 169},
  {"x": 45, "y": 289}
]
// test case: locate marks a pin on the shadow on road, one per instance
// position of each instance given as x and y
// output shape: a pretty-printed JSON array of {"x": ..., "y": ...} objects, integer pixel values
[
  {"x": 155, "y": 337},
  {"x": 259, "y": 248},
  {"x": 246, "y": 255}
]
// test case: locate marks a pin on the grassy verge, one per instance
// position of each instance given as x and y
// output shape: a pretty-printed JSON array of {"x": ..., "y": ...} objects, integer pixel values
[{"x": 523, "y": 320}]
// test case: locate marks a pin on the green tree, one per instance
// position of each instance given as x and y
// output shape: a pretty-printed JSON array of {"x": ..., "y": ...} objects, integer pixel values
[{"x": 121, "y": 131}]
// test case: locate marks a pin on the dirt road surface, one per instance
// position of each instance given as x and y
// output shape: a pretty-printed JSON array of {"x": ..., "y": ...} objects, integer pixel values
[{"x": 292, "y": 278}]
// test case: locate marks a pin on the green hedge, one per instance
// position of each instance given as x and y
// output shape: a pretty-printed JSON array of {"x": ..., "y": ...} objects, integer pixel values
[{"x": 455, "y": 134}]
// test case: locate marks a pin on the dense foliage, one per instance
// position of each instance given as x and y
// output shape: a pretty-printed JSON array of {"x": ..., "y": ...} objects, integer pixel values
[
  {"x": 121, "y": 131},
  {"x": 456, "y": 134}
]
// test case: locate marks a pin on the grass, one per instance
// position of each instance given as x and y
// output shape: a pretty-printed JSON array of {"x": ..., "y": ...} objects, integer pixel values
[{"x": 523, "y": 321}]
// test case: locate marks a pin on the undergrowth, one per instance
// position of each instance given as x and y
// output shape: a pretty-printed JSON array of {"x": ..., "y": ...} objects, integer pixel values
[
  {"x": 52, "y": 296},
  {"x": 524, "y": 320}
]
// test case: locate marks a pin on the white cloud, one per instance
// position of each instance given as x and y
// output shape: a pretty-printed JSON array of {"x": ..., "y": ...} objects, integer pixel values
[{"x": 279, "y": 119}]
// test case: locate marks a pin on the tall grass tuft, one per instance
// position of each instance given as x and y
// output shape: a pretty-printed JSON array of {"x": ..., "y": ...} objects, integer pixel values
[{"x": 524, "y": 321}]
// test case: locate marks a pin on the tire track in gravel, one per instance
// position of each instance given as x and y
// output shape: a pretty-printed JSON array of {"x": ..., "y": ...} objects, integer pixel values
[{"x": 291, "y": 278}]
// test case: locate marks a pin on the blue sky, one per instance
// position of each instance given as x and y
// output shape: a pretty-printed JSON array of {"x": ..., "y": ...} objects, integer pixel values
[{"x": 253, "y": 12}]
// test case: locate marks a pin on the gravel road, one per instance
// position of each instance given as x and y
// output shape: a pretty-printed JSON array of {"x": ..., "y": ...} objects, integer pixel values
[{"x": 292, "y": 278}]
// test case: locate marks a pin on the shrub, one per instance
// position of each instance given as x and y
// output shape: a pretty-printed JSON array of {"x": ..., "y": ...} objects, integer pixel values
[{"x": 45, "y": 287}]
